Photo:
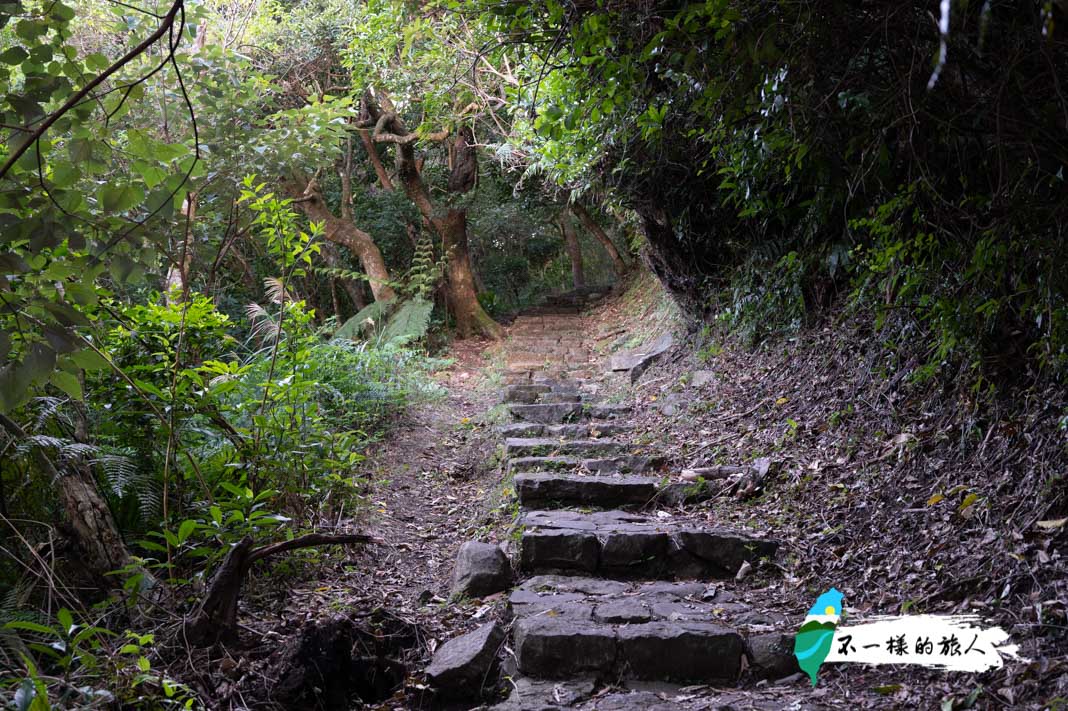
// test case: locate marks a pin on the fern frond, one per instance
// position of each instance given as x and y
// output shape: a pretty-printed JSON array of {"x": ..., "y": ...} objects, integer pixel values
[{"x": 50, "y": 408}]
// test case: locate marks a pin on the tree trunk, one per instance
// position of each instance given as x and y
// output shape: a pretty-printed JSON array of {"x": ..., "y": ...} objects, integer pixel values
[
  {"x": 574, "y": 249},
  {"x": 471, "y": 318},
  {"x": 91, "y": 522},
  {"x": 594, "y": 229},
  {"x": 348, "y": 235}
]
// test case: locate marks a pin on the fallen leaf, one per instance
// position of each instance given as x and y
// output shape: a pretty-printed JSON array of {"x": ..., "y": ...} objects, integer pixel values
[
  {"x": 935, "y": 499},
  {"x": 1052, "y": 524},
  {"x": 969, "y": 500}
]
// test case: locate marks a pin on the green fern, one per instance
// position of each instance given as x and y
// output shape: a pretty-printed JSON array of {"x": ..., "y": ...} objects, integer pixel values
[
  {"x": 425, "y": 273},
  {"x": 375, "y": 313},
  {"x": 410, "y": 323}
]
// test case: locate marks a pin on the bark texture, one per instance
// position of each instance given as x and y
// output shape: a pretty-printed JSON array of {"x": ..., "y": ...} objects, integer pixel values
[{"x": 91, "y": 523}]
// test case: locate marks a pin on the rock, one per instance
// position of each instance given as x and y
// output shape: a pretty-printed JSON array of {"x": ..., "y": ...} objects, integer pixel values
[
  {"x": 633, "y": 544},
  {"x": 607, "y": 412},
  {"x": 547, "y": 414},
  {"x": 771, "y": 656},
  {"x": 636, "y": 361},
  {"x": 633, "y": 549},
  {"x": 525, "y": 393},
  {"x": 548, "y": 446},
  {"x": 700, "y": 378},
  {"x": 726, "y": 550},
  {"x": 623, "y": 610},
  {"x": 481, "y": 569},
  {"x": 670, "y": 405},
  {"x": 461, "y": 668}
]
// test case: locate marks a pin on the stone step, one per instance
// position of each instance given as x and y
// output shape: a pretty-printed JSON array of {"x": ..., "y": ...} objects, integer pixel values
[
  {"x": 621, "y": 464},
  {"x": 650, "y": 616},
  {"x": 531, "y": 393},
  {"x": 548, "y": 447},
  {"x": 527, "y": 393},
  {"x": 553, "y": 413},
  {"x": 618, "y": 543},
  {"x": 658, "y": 631},
  {"x": 571, "y": 431},
  {"x": 549, "y": 490},
  {"x": 550, "y": 354},
  {"x": 528, "y": 338},
  {"x": 517, "y": 377}
]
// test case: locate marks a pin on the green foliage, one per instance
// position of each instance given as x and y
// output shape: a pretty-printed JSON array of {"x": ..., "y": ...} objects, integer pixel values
[
  {"x": 94, "y": 666},
  {"x": 409, "y": 323},
  {"x": 741, "y": 132},
  {"x": 766, "y": 297}
]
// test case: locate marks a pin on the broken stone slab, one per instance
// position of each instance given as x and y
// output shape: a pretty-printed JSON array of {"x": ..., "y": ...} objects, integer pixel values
[
  {"x": 621, "y": 602},
  {"x": 634, "y": 545},
  {"x": 625, "y": 464},
  {"x": 680, "y": 651},
  {"x": 635, "y": 362},
  {"x": 547, "y": 413},
  {"x": 547, "y": 446},
  {"x": 462, "y": 667},
  {"x": 556, "y": 398},
  {"x": 481, "y": 569},
  {"x": 727, "y": 550},
  {"x": 537, "y": 489},
  {"x": 542, "y": 464},
  {"x": 607, "y": 412},
  {"x": 564, "y": 431},
  {"x": 559, "y": 550},
  {"x": 542, "y": 695}
]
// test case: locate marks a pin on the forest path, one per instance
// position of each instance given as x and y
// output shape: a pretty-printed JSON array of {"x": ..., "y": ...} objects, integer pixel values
[{"x": 622, "y": 602}]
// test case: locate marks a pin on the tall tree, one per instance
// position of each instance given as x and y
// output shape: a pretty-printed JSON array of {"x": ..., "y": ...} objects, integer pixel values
[{"x": 451, "y": 227}]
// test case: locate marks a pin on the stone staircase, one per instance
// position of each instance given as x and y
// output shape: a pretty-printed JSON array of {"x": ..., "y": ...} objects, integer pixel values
[{"x": 613, "y": 591}]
